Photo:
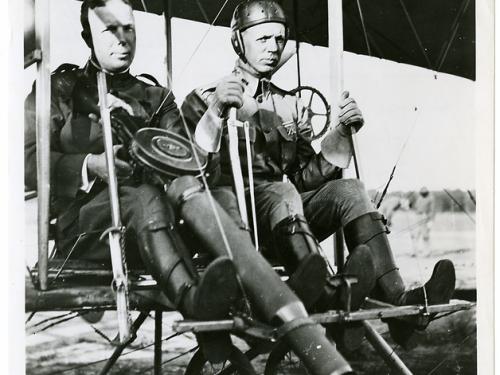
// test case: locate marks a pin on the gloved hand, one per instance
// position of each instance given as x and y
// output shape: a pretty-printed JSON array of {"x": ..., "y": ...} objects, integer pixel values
[
  {"x": 228, "y": 93},
  {"x": 350, "y": 116},
  {"x": 336, "y": 147}
]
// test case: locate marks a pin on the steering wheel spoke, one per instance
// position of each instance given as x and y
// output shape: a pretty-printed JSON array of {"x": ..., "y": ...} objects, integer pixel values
[{"x": 319, "y": 129}]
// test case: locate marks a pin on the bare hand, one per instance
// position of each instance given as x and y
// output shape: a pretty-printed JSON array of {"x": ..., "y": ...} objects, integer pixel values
[
  {"x": 350, "y": 115},
  {"x": 228, "y": 93},
  {"x": 96, "y": 165}
]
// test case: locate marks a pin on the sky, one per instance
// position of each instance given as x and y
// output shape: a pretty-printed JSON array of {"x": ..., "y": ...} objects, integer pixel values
[{"x": 422, "y": 118}]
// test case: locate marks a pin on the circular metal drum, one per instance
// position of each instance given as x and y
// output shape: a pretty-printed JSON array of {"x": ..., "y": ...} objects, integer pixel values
[{"x": 167, "y": 154}]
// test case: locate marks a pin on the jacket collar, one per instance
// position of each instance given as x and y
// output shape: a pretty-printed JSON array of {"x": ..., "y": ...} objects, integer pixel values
[
  {"x": 113, "y": 79},
  {"x": 255, "y": 85}
]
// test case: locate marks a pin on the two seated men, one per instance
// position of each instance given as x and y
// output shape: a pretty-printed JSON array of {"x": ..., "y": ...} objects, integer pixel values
[{"x": 292, "y": 216}]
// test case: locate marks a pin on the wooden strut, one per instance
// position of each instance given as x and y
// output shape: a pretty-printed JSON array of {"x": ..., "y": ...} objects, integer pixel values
[
  {"x": 334, "y": 316},
  {"x": 386, "y": 352},
  {"x": 43, "y": 97},
  {"x": 115, "y": 235},
  {"x": 158, "y": 333}
]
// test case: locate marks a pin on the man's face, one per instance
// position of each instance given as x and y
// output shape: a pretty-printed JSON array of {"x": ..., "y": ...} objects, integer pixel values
[
  {"x": 264, "y": 44},
  {"x": 112, "y": 27}
]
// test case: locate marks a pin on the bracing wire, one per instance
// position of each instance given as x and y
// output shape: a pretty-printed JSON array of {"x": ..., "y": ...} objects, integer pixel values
[
  {"x": 472, "y": 197},
  {"x": 59, "y": 319},
  {"x": 52, "y": 319},
  {"x": 454, "y": 29},
  {"x": 415, "y": 33},
  {"x": 106, "y": 359},
  {"x": 459, "y": 205},
  {"x": 447, "y": 357},
  {"x": 56, "y": 323},
  {"x": 207, "y": 189},
  {"x": 211, "y": 200},
  {"x": 195, "y": 51},
  {"x": 30, "y": 317},
  {"x": 101, "y": 333},
  {"x": 193, "y": 349},
  {"x": 391, "y": 176},
  {"x": 365, "y": 33},
  {"x": 202, "y": 10},
  {"x": 420, "y": 274}
]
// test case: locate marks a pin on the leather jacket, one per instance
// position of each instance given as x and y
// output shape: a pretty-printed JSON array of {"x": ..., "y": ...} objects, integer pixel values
[{"x": 279, "y": 134}]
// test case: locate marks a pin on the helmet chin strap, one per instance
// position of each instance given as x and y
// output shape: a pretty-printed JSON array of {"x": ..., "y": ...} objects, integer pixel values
[{"x": 94, "y": 61}]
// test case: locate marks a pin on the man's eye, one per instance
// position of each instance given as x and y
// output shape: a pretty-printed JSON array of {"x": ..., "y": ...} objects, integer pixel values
[
  {"x": 128, "y": 28},
  {"x": 110, "y": 28}
]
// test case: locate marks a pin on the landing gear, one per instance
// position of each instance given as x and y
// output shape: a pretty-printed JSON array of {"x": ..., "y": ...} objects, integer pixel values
[{"x": 237, "y": 363}]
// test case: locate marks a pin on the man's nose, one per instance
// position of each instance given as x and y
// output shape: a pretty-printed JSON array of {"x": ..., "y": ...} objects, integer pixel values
[
  {"x": 121, "y": 35},
  {"x": 272, "y": 45}
]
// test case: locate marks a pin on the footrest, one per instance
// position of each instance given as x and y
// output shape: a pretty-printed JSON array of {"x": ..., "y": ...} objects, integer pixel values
[{"x": 339, "y": 280}]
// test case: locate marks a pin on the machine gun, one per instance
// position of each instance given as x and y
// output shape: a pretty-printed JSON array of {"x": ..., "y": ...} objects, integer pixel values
[{"x": 156, "y": 155}]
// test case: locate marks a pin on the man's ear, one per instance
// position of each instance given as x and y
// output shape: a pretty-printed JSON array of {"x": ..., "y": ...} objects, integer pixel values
[{"x": 87, "y": 38}]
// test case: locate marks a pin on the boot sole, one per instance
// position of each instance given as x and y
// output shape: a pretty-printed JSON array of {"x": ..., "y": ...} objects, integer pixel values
[
  {"x": 443, "y": 281},
  {"x": 217, "y": 290},
  {"x": 309, "y": 279},
  {"x": 360, "y": 264},
  {"x": 349, "y": 337}
]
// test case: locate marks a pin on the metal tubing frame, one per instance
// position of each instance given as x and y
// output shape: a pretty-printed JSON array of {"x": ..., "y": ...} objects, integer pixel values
[
  {"x": 119, "y": 349},
  {"x": 43, "y": 96}
]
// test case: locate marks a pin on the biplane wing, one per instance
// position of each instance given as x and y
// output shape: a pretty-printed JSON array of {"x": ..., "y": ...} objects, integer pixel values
[{"x": 437, "y": 35}]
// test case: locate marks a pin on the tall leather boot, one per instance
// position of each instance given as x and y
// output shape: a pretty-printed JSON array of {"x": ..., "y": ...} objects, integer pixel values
[
  {"x": 205, "y": 298},
  {"x": 370, "y": 230},
  {"x": 168, "y": 260},
  {"x": 208, "y": 297},
  {"x": 297, "y": 249}
]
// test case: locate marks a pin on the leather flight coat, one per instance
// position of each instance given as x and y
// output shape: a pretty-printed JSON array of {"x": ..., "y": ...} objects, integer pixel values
[
  {"x": 280, "y": 133},
  {"x": 74, "y": 136}
]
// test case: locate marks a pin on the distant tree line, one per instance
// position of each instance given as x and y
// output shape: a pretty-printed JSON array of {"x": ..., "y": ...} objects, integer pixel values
[{"x": 445, "y": 200}]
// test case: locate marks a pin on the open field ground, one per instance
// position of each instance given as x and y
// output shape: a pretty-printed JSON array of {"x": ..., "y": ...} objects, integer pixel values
[{"x": 448, "y": 346}]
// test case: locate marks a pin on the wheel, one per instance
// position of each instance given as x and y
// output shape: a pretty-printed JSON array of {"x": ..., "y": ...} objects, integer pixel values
[
  {"x": 282, "y": 360},
  {"x": 317, "y": 107},
  {"x": 237, "y": 363}
]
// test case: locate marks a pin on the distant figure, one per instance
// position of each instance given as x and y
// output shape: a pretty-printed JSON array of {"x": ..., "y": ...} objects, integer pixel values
[{"x": 424, "y": 208}]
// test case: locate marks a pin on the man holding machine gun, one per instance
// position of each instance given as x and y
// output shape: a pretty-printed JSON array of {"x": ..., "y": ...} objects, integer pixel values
[
  {"x": 317, "y": 201},
  {"x": 80, "y": 194},
  {"x": 80, "y": 198}
]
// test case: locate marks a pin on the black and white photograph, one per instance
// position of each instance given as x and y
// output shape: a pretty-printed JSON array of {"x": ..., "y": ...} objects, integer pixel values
[{"x": 253, "y": 187}]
